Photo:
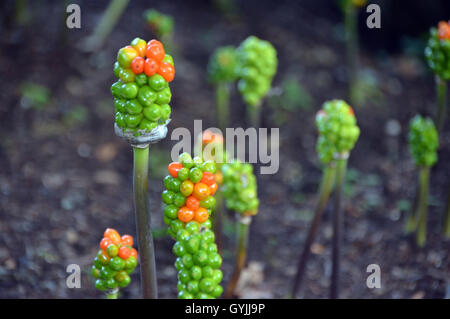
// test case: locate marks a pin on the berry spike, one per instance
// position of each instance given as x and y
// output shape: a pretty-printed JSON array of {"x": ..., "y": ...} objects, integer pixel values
[
  {"x": 114, "y": 262},
  {"x": 189, "y": 203}
]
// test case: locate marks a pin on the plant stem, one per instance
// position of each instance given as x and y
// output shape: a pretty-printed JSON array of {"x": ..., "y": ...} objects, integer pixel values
[
  {"x": 447, "y": 217},
  {"x": 112, "y": 294},
  {"x": 441, "y": 86},
  {"x": 254, "y": 116},
  {"x": 351, "y": 40},
  {"x": 243, "y": 228},
  {"x": 223, "y": 105},
  {"x": 143, "y": 223},
  {"x": 109, "y": 19},
  {"x": 421, "y": 237},
  {"x": 326, "y": 187},
  {"x": 337, "y": 225},
  {"x": 411, "y": 222}
]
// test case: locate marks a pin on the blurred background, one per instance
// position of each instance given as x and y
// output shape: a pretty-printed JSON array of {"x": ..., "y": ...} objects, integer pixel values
[{"x": 65, "y": 176}]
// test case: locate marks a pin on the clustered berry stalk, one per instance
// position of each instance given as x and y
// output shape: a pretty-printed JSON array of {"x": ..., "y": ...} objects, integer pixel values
[
  {"x": 189, "y": 202},
  {"x": 240, "y": 192},
  {"x": 423, "y": 142},
  {"x": 114, "y": 262},
  {"x": 253, "y": 65},
  {"x": 257, "y": 65},
  {"x": 437, "y": 53},
  {"x": 338, "y": 133},
  {"x": 141, "y": 97}
]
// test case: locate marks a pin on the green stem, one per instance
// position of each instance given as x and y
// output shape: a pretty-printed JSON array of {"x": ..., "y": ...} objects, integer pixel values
[
  {"x": 411, "y": 222},
  {"x": 112, "y": 294},
  {"x": 337, "y": 225},
  {"x": 223, "y": 105},
  {"x": 421, "y": 237},
  {"x": 143, "y": 223},
  {"x": 352, "y": 49},
  {"x": 243, "y": 228},
  {"x": 109, "y": 19},
  {"x": 447, "y": 217},
  {"x": 441, "y": 86},
  {"x": 254, "y": 116},
  {"x": 326, "y": 187}
]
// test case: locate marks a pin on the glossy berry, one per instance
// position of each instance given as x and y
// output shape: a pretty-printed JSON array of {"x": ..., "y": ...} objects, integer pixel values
[
  {"x": 144, "y": 71},
  {"x": 115, "y": 261}
]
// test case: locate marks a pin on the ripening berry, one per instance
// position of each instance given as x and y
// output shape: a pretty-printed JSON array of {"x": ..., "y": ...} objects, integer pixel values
[{"x": 185, "y": 214}]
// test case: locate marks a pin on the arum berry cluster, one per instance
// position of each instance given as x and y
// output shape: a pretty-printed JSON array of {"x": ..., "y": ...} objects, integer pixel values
[
  {"x": 190, "y": 187},
  {"x": 437, "y": 51},
  {"x": 423, "y": 141},
  {"x": 142, "y": 93},
  {"x": 256, "y": 68},
  {"x": 189, "y": 202},
  {"x": 240, "y": 188},
  {"x": 115, "y": 260},
  {"x": 338, "y": 131},
  {"x": 222, "y": 65}
]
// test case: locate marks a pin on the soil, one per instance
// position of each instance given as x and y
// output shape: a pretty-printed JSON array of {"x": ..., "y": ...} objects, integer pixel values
[{"x": 63, "y": 179}]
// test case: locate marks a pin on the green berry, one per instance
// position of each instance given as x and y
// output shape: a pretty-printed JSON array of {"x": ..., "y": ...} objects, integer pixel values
[
  {"x": 117, "y": 263},
  {"x": 195, "y": 175},
  {"x": 186, "y": 160},
  {"x": 179, "y": 199},
  {"x": 129, "y": 90},
  {"x": 157, "y": 82}
]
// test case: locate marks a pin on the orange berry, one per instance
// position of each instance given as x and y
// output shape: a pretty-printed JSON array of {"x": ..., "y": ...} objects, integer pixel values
[
  {"x": 150, "y": 67},
  {"x": 113, "y": 235},
  {"x": 155, "y": 42},
  {"x": 127, "y": 240},
  {"x": 207, "y": 178},
  {"x": 124, "y": 252},
  {"x": 134, "y": 253},
  {"x": 185, "y": 214},
  {"x": 208, "y": 136},
  {"x": 174, "y": 167},
  {"x": 201, "y": 215},
  {"x": 201, "y": 191},
  {"x": 444, "y": 30},
  {"x": 192, "y": 203},
  {"x": 105, "y": 242},
  {"x": 137, "y": 65},
  {"x": 155, "y": 52},
  {"x": 167, "y": 71},
  {"x": 213, "y": 188}
]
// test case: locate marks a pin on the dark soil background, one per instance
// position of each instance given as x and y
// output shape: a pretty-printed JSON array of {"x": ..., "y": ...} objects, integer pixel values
[{"x": 65, "y": 176}]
